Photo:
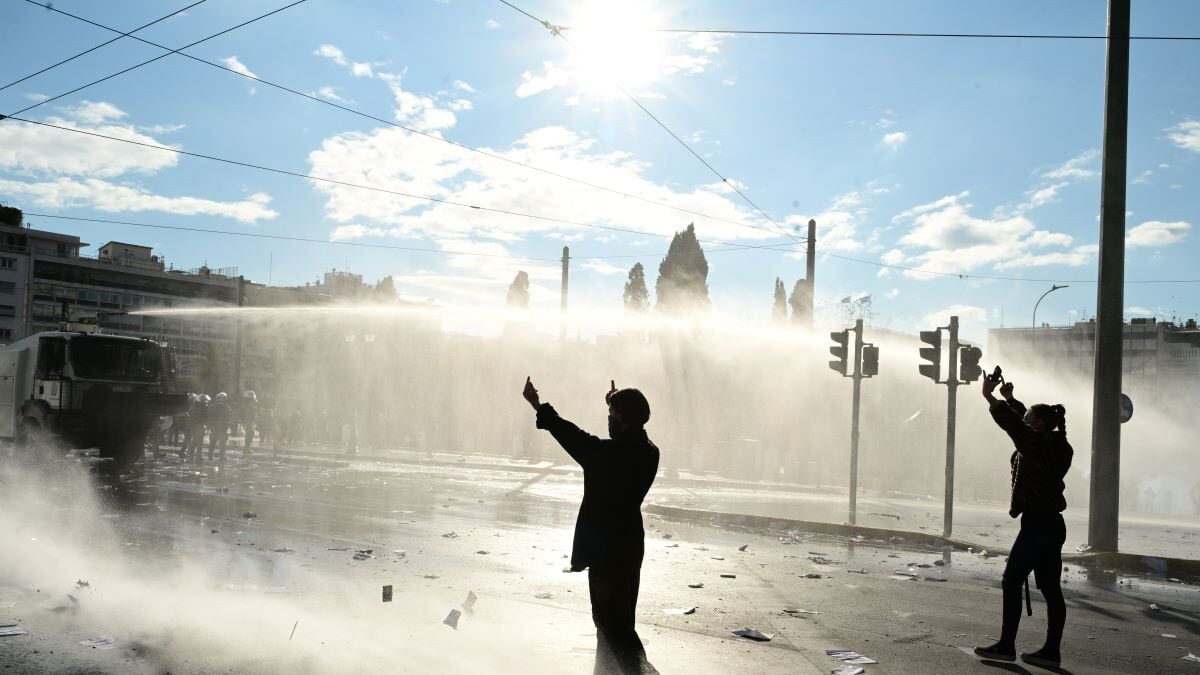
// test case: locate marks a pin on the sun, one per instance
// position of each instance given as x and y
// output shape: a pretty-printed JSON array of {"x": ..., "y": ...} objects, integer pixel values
[{"x": 614, "y": 46}]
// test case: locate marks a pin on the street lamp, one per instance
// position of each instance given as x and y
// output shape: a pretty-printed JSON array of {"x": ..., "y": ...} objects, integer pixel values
[{"x": 1035, "y": 305}]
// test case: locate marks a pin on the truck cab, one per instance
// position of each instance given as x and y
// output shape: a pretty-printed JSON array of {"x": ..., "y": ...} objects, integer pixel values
[{"x": 87, "y": 389}]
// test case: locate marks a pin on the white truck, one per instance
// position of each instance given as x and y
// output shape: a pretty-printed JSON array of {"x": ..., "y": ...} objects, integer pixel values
[{"x": 86, "y": 389}]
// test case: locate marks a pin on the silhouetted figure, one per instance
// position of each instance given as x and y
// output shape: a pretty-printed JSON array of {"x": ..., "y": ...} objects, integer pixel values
[
  {"x": 609, "y": 539},
  {"x": 220, "y": 416},
  {"x": 1039, "y": 464}
]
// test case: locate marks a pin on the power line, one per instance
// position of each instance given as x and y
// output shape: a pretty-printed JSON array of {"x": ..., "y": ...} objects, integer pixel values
[
  {"x": 102, "y": 44},
  {"x": 411, "y": 130},
  {"x": 296, "y": 174},
  {"x": 556, "y": 31},
  {"x": 816, "y": 33},
  {"x": 417, "y": 249},
  {"x": 160, "y": 56}
]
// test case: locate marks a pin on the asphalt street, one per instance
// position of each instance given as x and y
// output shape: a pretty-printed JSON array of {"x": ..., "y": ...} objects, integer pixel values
[{"x": 268, "y": 566}]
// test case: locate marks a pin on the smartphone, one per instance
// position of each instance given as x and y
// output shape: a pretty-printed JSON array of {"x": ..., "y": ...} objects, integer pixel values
[{"x": 997, "y": 375}]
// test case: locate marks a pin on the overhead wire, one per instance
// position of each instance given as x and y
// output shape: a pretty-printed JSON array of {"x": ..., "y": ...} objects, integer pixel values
[
  {"x": 411, "y": 130},
  {"x": 556, "y": 31},
  {"x": 358, "y": 244},
  {"x": 149, "y": 61},
  {"x": 102, "y": 44},
  {"x": 819, "y": 33},
  {"x": 334, "y": 181}
]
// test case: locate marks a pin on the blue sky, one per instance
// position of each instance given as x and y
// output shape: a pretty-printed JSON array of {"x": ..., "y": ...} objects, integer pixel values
[{"x": 964, "y": 156}]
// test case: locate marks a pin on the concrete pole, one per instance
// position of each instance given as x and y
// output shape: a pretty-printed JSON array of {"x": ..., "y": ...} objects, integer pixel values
[
  {"x": 810, "y": 270},
  {"x": 951, "y": 413},
  {"x": 566, "y": 268},
  {"x": 1106, "y": 395},
  {"x": 237, "y": 342},
  {"x": 856, "y": 407}
]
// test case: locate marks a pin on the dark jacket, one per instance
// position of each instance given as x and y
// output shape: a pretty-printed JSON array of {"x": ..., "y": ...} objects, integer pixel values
[
  {"x": 1039, "y": 464},
  {"x": 617, "y": 474}
]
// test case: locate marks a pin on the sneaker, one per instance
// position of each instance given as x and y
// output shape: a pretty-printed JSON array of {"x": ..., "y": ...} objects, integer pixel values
[
  {"x": 1042, "y": 658},
  {"x": 996, "y": 652}
]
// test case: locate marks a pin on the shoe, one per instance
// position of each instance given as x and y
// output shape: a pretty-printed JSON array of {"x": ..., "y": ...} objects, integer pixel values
[
  {"x": 1042, "y": 658},
  {"x": 996, "y": 652}
]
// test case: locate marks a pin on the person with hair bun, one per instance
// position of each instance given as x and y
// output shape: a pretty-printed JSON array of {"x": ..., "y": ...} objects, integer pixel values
[
  {"x": 1039, "y": 464},
  {"x": 609, "y": 538}
]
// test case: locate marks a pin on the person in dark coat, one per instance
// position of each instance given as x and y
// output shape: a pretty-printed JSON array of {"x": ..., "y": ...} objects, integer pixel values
[
  {"x": 609, "y": 539},
  {"x": 1039, "y": 464}
]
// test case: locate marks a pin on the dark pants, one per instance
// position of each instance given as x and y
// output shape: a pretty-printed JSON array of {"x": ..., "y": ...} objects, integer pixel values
[
  {"x": 614, "y": 590},
  {"x": 1038, "y": 549}
]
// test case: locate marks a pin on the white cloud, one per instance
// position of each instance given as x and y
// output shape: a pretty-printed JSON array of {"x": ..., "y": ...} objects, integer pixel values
[
  {"x": 492, "y": 24},
  {"x": 163, "y": 128},
  {"x": 1075, "y": 168},
  {"x": 709, "y": 43},
  {"x": 1156, "y": 233},
  {"x": 329, "y": 94},
  {"x": 1041, "y": 196},
  {"x": 459, "y": 105},
  {"x": 605, "y": 268},
  {"x": 895, "y": 139},
  {"x": 463, "y": 86},
  {"x": 422, "y": 112},
  {"x": 1186, "y": 135},
  {"x": 95, "y": 112},
  {"x": 965, "y": 313},
  {"x": 947, "y": 238},
  {"x": 837, "y": 226},
  {"x": 111, "y": 197},
  {"x": 885, "y": 122},
  {"x": 895, "y": 292},
  {"x": 729, "y": 82},
  {"x": 35, "y": 97},
  {"x": 237, "y": 66},
  {"x": 552, "y": 77},
  {"x": 34, "y": 150},
  {"x": 336, "y": 55},
  {"x": 1139, "y": 311}
]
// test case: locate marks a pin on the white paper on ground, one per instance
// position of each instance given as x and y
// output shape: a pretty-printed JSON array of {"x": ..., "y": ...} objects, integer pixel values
[
  {"x": 679, "y": 610},
  {"x": 847, "y": 670},
  {"x": 102, "y": 642},
  {"x": 5, "y": 631}
]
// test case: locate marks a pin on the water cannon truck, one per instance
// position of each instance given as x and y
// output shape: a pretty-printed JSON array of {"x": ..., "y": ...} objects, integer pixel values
[{"x": 80, "y": 388}]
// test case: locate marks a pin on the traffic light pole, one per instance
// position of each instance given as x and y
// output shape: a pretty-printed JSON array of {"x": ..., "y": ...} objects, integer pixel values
[
  {"x": 858, "y": 377},
  {"x": 951, "y": 413}
]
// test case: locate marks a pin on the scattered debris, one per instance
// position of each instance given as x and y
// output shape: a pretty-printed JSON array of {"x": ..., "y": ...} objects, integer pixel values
[
  {"x": 939, "y": 563},
  {"x": 743, "y": 547},
  {"x": 1169, "y": 635},
  {"x": 481, "y": 552},
  {"x": 667, "y": 535},
  {"x": 935, "y": 579},
  {"x": 430, "y": 576},
  {"x": 450, "y": 535},
  {"x": 387, "y": 593},
  {"x": 716, "y": 557},
  {"x": 12, "y": 629},
  {"x": 792, "y": 610},
  {"x": 83, "y": 584},
  {"x": 1191, "y": 657},
  {"x": 216, "y": 532},
  {"x": 1153, "y": 606},
  {"x": 751, "y": 634},
  {"x": 452, "y": 619},
  {"x": 249, "y": 514},
  {"x": 884, "y": 515},
  {"x": 1083, "y": 548},
  {"x": 102, "y": 642},
  {"x": 364, "y": 554},
  {"x": 861, "y": 570},
  {"x": 678, "y": 611},
  {"x": 728, "y": 576},
  {"x": 695, "y": 585},
  {"x": 850, "y": 657},
  {"x": 672, "y": 545},
  {"x": 813, "y": 575},
  {"x": 469, "y": 603},
  {"x": 282, "y": 550},
  {"x": 544, "y": 596},
  {"x": 847, "y": 670},
  {"x": 400, "y": 554},
  {"x": 293, "y": 633}
]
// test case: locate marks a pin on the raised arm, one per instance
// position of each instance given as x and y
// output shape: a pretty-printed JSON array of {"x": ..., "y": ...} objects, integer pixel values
[
  {"x": 582, "y": 446},
  {"x": 1009, "y": 414}
]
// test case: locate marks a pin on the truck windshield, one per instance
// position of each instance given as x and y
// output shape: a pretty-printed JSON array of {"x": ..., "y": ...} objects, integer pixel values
[{"x": 109, "y": 359}]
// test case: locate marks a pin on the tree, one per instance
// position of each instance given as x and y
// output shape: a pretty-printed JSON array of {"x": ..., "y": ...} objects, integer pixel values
[
  {"x": 637, "y": 297},
  {"x": 386, "y": 288},
  {"x": 518, "y": 291},
  {"x": 11, "y": 216},
  {"x": 802, "y": 303},
  {"x": 682, "y": 284},
  {"x": 780, "y": 312}
]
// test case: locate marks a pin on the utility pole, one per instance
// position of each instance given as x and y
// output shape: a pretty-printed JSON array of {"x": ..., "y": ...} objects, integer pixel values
[
  {"x": 810, "y": 270},
  {"x": 866, "y": 365},
  {"x": 951, "y": 415},
  {"x": 1106, "y": 395},
  {"x": 566, "y": 268},
  {"x": 237, "y": 339}
]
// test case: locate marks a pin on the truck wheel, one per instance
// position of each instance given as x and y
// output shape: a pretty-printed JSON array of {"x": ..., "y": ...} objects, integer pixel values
[{"x": 124, "y": 451}]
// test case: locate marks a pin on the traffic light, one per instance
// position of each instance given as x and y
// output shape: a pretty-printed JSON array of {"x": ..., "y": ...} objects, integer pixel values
[
  {"x": 841, "y": 338},
  {"x": 932, "y": 354},
  {"x": 870, "y": 360},
  {"x": 969, "y": 370}
]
